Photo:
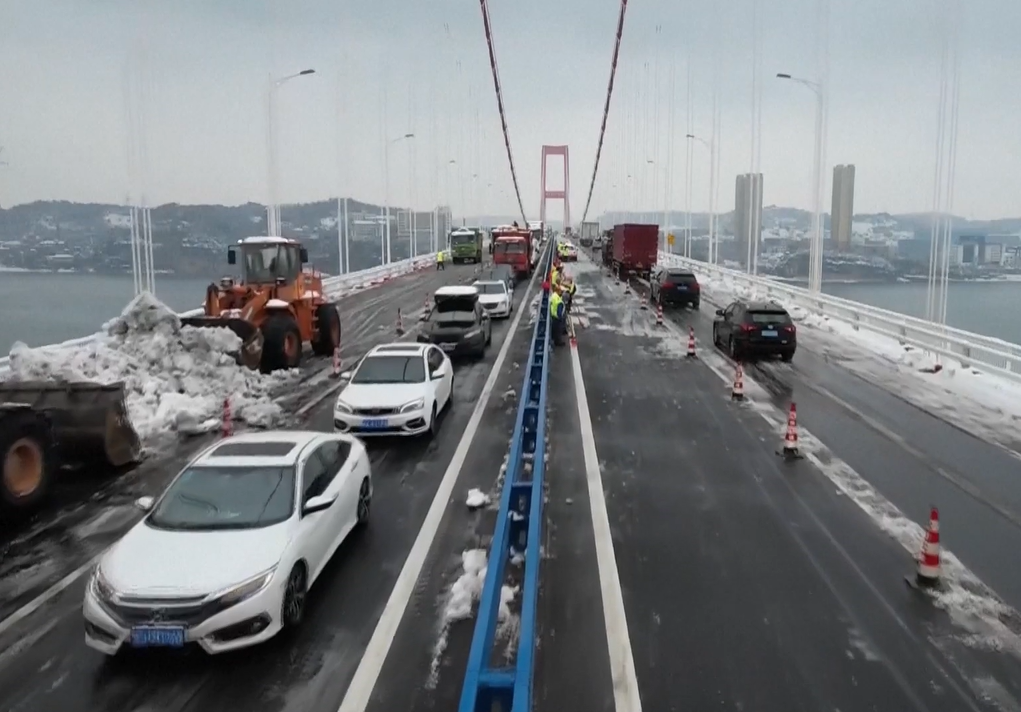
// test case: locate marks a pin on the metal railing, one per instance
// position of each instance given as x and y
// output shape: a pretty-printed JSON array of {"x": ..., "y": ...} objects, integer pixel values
[
  {"x": 333, "y": 286},
  {"x": 992, "y": 354},
  {"x": 518, "y": 530}
]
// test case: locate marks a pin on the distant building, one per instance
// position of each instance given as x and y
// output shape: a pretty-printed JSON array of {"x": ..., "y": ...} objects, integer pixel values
[
  {"x": 747, "y": 213},
  {"x": 842, "y": 208}
]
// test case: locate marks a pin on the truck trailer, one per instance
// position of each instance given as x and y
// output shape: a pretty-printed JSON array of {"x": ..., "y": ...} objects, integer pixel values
[{"x": 635, "y": 249}]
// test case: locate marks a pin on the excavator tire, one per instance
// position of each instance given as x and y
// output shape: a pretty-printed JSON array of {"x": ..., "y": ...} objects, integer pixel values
[
  {"x": 281, "y": 347},
  {"x": 328, "y": 336},
  {"x": 27, "y": 456}
]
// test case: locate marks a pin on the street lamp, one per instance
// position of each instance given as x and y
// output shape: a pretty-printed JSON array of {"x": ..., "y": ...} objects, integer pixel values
[
  {"x": 687, "y": 229},
  {"x": 816, "y": 244},
  {"x": 652, "y": 163},
  {"x": 386, "y": 189},
  {"x": 272, "y": 209}
]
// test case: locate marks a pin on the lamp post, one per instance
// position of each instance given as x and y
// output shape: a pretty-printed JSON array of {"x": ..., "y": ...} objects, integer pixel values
[
  {"x": 654, "y": 165},
  {"x": 687, "y": 229},
  {"x": 386, "y": 188},
  {"x": 272, "y": 209},
  {"x": 816, "y": 244}
]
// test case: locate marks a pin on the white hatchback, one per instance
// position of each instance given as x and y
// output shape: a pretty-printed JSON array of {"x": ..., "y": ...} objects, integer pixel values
[
  {"x": 226, "y": 556},
  {"x": 396, "y": 389}
]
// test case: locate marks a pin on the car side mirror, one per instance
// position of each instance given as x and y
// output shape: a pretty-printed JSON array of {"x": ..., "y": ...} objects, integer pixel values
[
  {"x": 438, "y": 374},
  {"x": 345, "y": 376},
  {"x": 232, "y": 257},
  {"x": 318, "y": 504},
  {"x": 145, "y": 503},
  {"x": 303, "y": 255},
  {"x": 719, "y": 312}
]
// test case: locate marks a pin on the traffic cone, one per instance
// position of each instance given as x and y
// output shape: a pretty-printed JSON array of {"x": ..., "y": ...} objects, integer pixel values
[
  {"x": 737, "y": 391},
  {"x": 790, "y": 437},
  {"x": 335, "y": 373},
  {"x": 928, "y": 573},
  {"x": 400, "y": 323},
  {"x": 627, "y": 287},
  {"x": 426, "y": 308},
  {"x": 659, "y": 315},
  {"x": 691, "y": 342},
  {"x": 645, "y": 302},
  {"x": 227, "y": 428}
]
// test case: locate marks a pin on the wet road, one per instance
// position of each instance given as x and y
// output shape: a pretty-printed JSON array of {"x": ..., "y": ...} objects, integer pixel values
[
  {"x": 747, "y": 582},
  {"x": 47, "y": 666}
]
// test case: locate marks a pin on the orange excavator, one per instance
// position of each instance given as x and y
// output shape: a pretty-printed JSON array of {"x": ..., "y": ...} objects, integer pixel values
[{"x": 276, "y": 307}]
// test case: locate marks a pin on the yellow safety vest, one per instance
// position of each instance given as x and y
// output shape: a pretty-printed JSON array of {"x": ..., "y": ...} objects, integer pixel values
[
  {"x": 554, "y": 304},
  {"x": 439, "y": 256},
  {"x": 554, "y": 277}
]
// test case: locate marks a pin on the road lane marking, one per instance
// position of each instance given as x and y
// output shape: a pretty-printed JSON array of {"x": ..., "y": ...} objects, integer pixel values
[
  {"x": 626, "y": 697},
  {"x": 359, "y": 691}
]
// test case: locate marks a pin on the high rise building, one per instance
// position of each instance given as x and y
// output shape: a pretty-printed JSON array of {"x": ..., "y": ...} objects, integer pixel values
[
  {"x": 842, "y": 209},
  {"x": 747, "y": 214}
]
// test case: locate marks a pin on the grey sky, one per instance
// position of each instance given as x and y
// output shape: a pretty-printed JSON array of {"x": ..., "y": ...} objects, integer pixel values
[{"x": 62, "y": 98}]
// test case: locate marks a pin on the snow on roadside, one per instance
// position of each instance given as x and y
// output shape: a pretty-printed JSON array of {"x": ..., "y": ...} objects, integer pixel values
[
  {"x": 175, "y": 377},
  {"x": 985, "y": 404},
  {"x": 476, "y": 499}
]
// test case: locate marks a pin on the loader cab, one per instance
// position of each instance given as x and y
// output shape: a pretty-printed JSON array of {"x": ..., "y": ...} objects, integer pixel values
[{"x": 268, "y": 260}]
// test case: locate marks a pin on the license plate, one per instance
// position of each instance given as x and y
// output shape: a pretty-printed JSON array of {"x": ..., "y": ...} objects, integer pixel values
[
  {"x": 769, "y": 333},
  {"x": 682, "y": 288},
  {"x": 157, "y": 637},
  {"x": 375, "y": 423},
  {"x": 448, "y": 347}
]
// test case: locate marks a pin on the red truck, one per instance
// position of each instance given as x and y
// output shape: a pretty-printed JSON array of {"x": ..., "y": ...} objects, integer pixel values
[
  {"x": 513, "y": 246},
  {"x": 635, "y": 249}
]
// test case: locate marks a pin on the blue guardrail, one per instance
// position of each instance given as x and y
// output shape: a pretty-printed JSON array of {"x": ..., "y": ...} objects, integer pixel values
[{"x": 518, "y": 526}]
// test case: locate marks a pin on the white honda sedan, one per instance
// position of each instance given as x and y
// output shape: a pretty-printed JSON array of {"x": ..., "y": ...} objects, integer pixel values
[
  {"x": 226, "y": 556},
  {"x": 397, "y": 389},
  {"x": 495, "y": 298}
]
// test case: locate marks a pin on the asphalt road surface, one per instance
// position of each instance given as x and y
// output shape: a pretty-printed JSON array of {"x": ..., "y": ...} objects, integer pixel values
[{"x": 748, "y": 583}]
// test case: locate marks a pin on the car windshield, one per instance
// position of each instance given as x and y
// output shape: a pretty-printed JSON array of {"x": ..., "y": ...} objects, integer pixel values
[
  {"x": 463, "y": 239},
  {"x": 265, "y": 263},
  {"x": 211, "y": 498},
  {"x": 510, "y": 248},
  {"x": 491, "y": 287},
  {"x": 453, "y": 318},
  {"x": 769, "y": 317},
  {"x": 390, "y": 369},
  {"x": 685, "y": 277}
]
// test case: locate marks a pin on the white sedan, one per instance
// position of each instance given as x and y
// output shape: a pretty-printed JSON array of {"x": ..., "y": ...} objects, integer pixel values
[
  {"x": 226, "y": 556},
  {"x": 495, "y": 297},
  {"x": 397, "y": 389}
]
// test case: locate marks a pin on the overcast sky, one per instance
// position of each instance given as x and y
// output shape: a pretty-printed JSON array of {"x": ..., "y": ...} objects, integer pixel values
[{"x": 200, "y": 70}]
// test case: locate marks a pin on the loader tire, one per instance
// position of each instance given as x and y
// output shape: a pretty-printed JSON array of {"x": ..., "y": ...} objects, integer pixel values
[
  {"x": 328, "y": 337},
  {"x": 27, "y": 456},
  {"x": 282, "y": 344}
]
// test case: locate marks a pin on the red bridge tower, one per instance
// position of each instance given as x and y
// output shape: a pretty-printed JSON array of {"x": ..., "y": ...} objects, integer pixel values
[{"x": 565, "y": 194}]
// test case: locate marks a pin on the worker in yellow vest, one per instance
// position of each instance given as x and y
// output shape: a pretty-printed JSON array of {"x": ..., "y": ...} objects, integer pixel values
[
  {"x": 439, "y": 260},
  {"x": 558, "y": 317}
]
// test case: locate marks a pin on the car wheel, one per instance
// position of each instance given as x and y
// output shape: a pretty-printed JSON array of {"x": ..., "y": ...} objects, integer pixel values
[
  {"x": 732, "y": 348},
  {"x": 489, "y": 335},
  {"x": 294, "y": 597},
  {"x": 696, "y": 305},
  {"x": 364, "y": 502},
  {"x": 716, "y": 336},
  {"x": 786, "y": 356},
  {"x": 433, "y": 425}
]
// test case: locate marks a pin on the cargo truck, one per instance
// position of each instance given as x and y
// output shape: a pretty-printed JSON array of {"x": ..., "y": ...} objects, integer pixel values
[
  {"x": 513, "y": 246},
  {"x": 635, "y": 249},
  {"x": 466, "y": 245},
  {"x": 589, "y": 233}
]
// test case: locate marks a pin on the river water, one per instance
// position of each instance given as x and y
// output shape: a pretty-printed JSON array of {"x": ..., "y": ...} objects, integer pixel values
[{"x": 45, "y": 308}]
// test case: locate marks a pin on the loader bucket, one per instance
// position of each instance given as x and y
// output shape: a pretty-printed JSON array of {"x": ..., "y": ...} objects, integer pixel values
[
  {"x": 250, "y": 354},
  {"x": 90, "y": 420}
]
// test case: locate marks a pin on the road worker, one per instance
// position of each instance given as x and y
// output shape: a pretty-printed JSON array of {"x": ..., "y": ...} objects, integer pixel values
[
  {"x": 558, "y": 317},
  {"x": 439, "y": 260}
]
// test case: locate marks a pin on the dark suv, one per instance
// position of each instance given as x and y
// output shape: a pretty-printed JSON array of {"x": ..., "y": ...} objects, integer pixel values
[
  {"x": 755, "y": 330},
  {"x": 670, "y": 286}
]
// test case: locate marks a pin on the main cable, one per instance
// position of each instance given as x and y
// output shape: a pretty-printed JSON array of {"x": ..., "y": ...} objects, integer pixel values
[
  {"x": 606, "y": 108},
  {"x": 499, "y": 103}
]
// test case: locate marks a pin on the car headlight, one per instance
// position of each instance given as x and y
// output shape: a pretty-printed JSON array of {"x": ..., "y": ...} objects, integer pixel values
[
  {"x": 236, "y": 594},
  {"x": 342, "y": 407},
  {"x": 413, "y": 405},
  {"x": 101, "y": 589}
]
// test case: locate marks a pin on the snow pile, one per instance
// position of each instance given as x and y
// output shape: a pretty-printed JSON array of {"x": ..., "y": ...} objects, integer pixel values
[
  {"x": 176, "y": 377},
  {"x": 476, "y": 498}
]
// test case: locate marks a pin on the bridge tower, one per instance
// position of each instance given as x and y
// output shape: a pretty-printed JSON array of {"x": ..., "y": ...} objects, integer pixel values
[{"x": 565, "y": 194}]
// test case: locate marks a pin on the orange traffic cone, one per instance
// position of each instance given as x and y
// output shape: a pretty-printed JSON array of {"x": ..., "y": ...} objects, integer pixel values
[
  {"x": 737, "y": 391},
  {"x": 928, "y": 574},
  {"x": 659, "y": 315},
  {"x": 645, "y": 302},
  {"x": 335, "y": 373},
  {"x": 627, "y": 287},
  {"x": 426, "y": 308},
  {"x": 691, "y": 342},
  {"x": 400, "y": 323},
  {"x": 790, "y": 437},
  {"x": 227, "y": 428}
]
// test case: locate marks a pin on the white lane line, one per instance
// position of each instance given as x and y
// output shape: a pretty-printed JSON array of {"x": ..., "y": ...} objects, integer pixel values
[
  {"x": 359, "y": 692},
  {"x": 46, "y": 596},
  {"x": 626, "y": 696}
]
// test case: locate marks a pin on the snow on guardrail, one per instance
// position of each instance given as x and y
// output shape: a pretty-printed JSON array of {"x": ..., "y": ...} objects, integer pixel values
[
  {"x": 335, "y": 287},
  {"x": 995, "y": 355}
]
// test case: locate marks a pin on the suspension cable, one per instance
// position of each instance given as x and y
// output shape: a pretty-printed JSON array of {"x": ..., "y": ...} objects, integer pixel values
[
  {"x": 499, "y": 103},
  {"x": 606, "y": 108}
]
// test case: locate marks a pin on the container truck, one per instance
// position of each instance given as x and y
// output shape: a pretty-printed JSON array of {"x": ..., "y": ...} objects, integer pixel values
[
  {"x": 635, "y": 249},
  {"x": 589, "y": 233}
]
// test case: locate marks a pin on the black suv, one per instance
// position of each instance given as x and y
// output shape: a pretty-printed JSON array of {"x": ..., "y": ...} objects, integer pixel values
[
  {"x": 754, "y": 330},
  {"x": 458, "y": 323},
  {"x": 669, "y": 286}
]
